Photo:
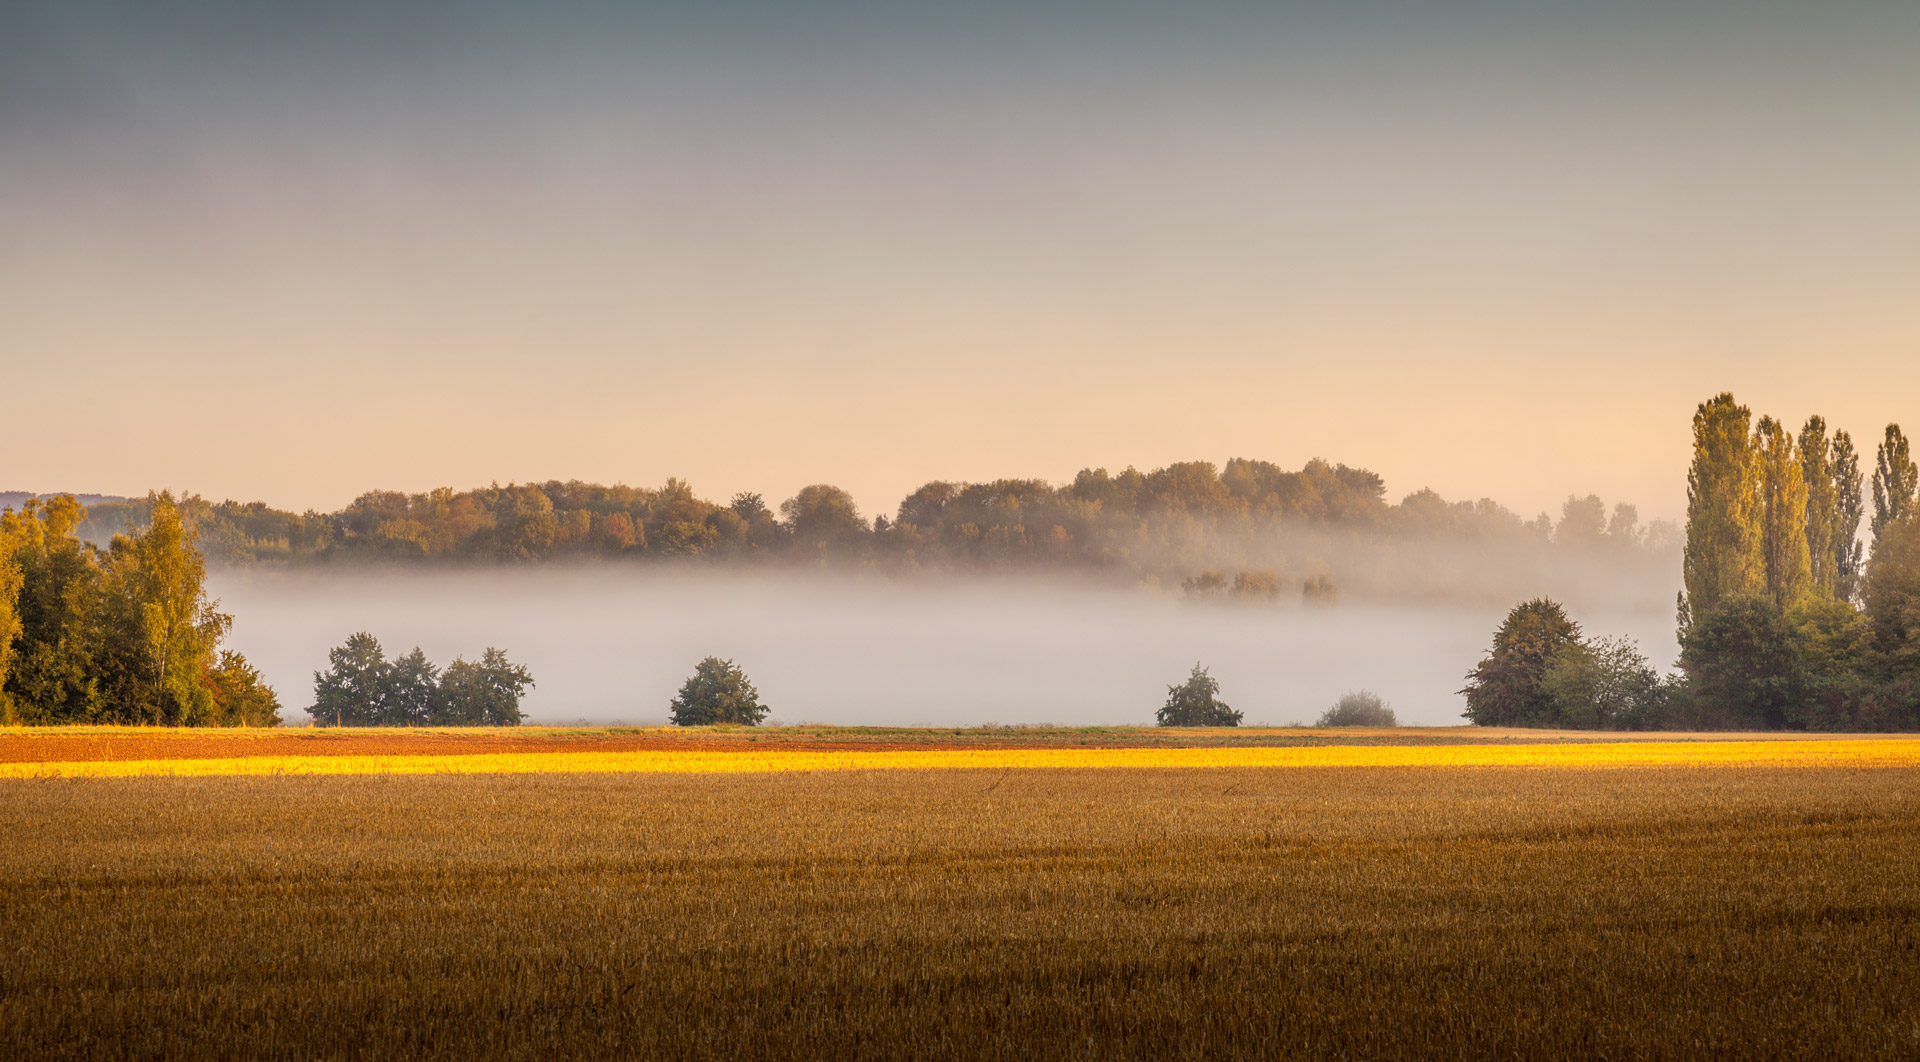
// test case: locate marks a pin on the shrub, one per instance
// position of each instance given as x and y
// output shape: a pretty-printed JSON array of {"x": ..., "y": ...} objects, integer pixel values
[
  {"x": 1209, "y": 583},
  {"x": 1263, "y": 583},
  {"x": 1360, "y": 708},
  {"x": 1605, "y": 684},
  {"x": 1320, "y": 590}
]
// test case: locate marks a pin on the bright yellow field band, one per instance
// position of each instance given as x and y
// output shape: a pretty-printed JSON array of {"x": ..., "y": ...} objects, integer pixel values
[{"x": 1887, "y": 752}]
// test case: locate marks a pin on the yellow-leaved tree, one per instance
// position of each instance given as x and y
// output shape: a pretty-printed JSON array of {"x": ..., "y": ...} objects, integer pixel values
[{"x": 159, "y": 627}]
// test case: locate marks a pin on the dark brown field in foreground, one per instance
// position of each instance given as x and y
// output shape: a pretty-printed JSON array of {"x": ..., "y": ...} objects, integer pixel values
[{"x": 1200, "y": 913}]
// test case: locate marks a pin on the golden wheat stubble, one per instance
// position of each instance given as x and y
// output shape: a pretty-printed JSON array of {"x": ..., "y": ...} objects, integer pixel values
[
  {"x": 1665, "y": 912},
  {"x": 1828, "y": 752}
]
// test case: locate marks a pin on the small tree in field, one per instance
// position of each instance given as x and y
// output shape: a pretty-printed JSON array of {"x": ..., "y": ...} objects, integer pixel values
[
  {"x": 1508, "y": 687},
  {"x": 486, "y": 693},
  {"x": 718, "y": 692},
  {"x": 1360, "y": 708},
  {"x": 1196, "y": 702}
]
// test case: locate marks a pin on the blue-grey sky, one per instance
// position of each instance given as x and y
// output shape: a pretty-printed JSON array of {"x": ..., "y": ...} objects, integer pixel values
[{"x": 293, "y": 252}]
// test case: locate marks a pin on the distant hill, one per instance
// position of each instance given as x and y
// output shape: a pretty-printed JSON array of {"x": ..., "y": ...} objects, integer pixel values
[{"x": 13, "y": 499}]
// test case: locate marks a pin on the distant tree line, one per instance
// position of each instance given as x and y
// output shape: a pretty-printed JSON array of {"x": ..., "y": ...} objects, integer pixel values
[
  {"x": 1782, "y": 625},
  {"x": 1188, "y": 523},
  {"x": 123, "y": 634},
  {"x": 361, "y": 687}
]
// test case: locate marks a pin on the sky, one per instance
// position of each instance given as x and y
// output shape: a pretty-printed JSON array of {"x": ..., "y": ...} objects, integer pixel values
[{"x": 297, "y": 252}]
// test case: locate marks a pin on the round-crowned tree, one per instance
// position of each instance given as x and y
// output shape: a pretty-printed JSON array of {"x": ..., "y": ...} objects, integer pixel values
[
  {"x": 717, "y": 693},
  {"x": 1196, "y": 702},
  {"x": 1508, "y": 687},
  {"x": 1360, "y": 708}
]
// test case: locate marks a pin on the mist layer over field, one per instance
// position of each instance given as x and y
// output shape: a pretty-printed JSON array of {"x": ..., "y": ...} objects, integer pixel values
[{"x": 612, "y": 644}]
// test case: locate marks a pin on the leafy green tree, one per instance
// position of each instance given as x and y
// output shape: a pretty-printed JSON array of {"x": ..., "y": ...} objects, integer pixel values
[
  {"x": 1209, "y": 583},
  {"x": 1605, "y": 684},
  {"x": 240, "y": 696},
  {"x": 1189, "y": 487},
  {"x": 1196, "y": 702},
  {"x": 823, "y": 519},
  {"x": 1583, "y": 522},
  {"x": 1319, "y": 589},
  {"x": 1893, "y": 597},
  {"x": 486, "y": 693},
  {"x": 524, "y": 524},
  {"x": 1725, "y": 539},
  {"x": 1783, "y": 513},
  {"x": 160, "y": 630},
  {"x": 1744, "y": 665},
  {"x": 1836, "y": 654},
  {"x": 1896, "y": 480},
  {"x": 54, "y": 678},
  {"x": 760, "y": 528},
  {"x": 749, "y": 507},
  {"x": 1508, "y": 686},
  {"x": 1263, "y": 584},
  {"x": 410, "y": 692},
  {"x": 927, "y": 507},
  {"x": 1847, "y": 511},
  {"x": 1624, "y": 527},
  {"x": 684, "y": 538},
  {"x": 1359, "y": 708},
  {"x": 350, "y": 691},
  {"x": 718, "y": 692}
]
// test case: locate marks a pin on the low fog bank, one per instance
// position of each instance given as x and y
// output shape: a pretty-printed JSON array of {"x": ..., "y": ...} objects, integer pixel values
[
  {"x": 1404, "y": 569},
  {"x": 613, "y": 643}
]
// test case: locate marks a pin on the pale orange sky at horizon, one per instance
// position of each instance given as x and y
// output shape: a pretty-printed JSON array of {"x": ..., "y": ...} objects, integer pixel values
[{"x": 1489, "y": 252}]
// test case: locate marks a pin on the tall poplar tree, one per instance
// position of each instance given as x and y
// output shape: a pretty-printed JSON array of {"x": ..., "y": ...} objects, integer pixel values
[
  {"x": 1847, "y": 510},
  {"x": 1895, "y": 480},
  {"x": 1724, "y": 539},
  {"x": 1823, "y": 497},
  {"x": 11, "y": 579},
  {"x": 1783, "y": 513}
]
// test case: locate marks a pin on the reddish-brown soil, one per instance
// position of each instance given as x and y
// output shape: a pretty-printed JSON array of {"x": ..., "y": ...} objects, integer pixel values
[{"x": 66, "y": 748}]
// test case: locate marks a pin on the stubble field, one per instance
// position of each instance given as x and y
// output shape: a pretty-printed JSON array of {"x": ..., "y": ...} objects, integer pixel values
[{"x": 1757, "y": 907}]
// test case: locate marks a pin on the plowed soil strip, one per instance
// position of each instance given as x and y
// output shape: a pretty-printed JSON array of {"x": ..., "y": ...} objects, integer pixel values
[
  {"x": 225, "y": 745},
  {"x": 85, "y": 745}
]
